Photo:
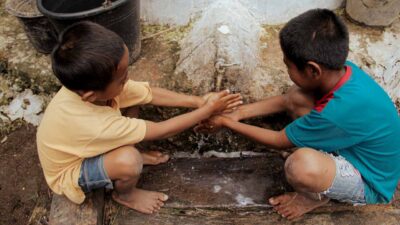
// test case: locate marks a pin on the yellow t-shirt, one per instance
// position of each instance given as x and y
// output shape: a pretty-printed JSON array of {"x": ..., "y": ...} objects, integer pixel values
[{"x": 72, "y": 130}]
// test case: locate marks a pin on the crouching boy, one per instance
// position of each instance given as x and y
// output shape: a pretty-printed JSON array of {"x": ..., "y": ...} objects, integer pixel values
[
  {"x": 347, "y": 128},
  {"x": 84, "y": 143}
]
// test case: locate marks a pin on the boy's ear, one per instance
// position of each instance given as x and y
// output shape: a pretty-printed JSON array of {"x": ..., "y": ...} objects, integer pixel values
[
  {"x": 88, "y": 96},
  {"x": 313, "y": 70}
]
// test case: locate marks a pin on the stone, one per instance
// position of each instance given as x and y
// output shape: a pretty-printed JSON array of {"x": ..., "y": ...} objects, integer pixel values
[
  {"x": 373, "y": 12},
  {"x": 223, "y": 50}
]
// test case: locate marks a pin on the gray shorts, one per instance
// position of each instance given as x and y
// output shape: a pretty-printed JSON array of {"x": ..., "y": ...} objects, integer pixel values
[
  {"x": 93, "y": 175},
  {"x": 348, "y": 185}
]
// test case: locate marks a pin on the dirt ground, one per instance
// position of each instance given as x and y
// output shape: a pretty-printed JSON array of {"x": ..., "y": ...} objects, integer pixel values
[
  {"x": 22, "y": 185},
  {"x": 24, "y": 195}
]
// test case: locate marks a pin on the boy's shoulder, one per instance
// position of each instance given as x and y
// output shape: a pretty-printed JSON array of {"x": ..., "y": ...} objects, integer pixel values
[
  {"x": 65, "y": 96},
  {"x": 360, "y": 97},
  {"x": 67, "y": 109},
  {"x": 78, "y": 120},
  {"x": 360, "y": 89}
]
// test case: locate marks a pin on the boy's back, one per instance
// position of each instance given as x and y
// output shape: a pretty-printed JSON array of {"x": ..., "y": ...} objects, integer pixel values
[
  {"x": 72, "y": 130},
  {"x": 339, "y": 109},
  {"x": 359, "y": 122}
]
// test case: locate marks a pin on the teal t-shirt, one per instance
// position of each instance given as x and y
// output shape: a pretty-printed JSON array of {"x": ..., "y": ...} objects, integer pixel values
[{"x": 358, "y": 121}]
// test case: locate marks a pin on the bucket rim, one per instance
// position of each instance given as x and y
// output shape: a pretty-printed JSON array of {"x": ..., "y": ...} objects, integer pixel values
[
  {"x": 79, "y": 15},
  {"x": 11, "y": 10}
]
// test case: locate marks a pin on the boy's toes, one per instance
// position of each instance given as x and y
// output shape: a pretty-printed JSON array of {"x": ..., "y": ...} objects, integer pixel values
[
  {"x": 151, "y": 210},
  {"x": 273, "y": 201},
  {"x": 154, "y": 157},
  {"x": 278, "y": 199},
  {"x": 163, "y": 197},
  {"x": 160, "y": 204},
  {"x": 163, "y": 158},
  {"x": 155, "y": 153}
]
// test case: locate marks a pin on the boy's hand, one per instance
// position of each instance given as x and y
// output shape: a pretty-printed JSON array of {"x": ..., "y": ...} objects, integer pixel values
[
  {"x": 230, "y": 108},
  {"x": 223, "y": 101},
  {"x": 212, "y": 125}
]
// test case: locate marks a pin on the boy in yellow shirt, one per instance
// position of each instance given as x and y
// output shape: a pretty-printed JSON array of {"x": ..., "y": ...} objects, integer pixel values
[{"x": 84, "y": 142}]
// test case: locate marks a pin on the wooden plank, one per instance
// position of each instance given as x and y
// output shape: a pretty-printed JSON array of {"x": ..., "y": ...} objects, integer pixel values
[{"x": 65, "y": 212}]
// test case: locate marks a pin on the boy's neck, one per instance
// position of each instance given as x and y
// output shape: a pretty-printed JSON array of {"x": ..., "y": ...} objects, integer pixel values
[
  {"x": 330, "y": 79},
  {"x": 103, "y": 103}
]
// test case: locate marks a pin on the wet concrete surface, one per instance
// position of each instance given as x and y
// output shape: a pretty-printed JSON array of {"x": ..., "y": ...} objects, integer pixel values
[
  {"x": 219, "y": 217},
  {"x": 216, "y": 182},
  {"x": 235, "y": 191}
]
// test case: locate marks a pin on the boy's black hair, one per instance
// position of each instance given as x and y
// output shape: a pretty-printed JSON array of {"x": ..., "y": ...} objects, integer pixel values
[
  {"x": 86, "y": 56},
  {"x": 317, "y": 35}
]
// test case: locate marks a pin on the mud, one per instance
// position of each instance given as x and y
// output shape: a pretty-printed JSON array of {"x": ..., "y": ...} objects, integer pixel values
[{"x": 22, "y": 185}]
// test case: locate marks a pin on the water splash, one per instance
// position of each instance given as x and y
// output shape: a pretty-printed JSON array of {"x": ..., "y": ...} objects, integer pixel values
[
  {"x": 217, "y": 188},
  {"x": 242, "y": 200},
  {"x": 217, "y": 154}
]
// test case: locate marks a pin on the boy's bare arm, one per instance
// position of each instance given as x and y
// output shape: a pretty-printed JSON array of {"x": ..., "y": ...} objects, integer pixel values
[
  {"x": 163, "y": 97},
  {"x": 175, "y": 125},
  {"x": 264, "y": 107},
  {"x": 270, "y": 138}
]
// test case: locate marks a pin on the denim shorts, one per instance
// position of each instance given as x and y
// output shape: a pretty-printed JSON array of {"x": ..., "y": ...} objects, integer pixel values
[
  {"x": 348, "y": 185},
  {"x": 93, "y": 175}
]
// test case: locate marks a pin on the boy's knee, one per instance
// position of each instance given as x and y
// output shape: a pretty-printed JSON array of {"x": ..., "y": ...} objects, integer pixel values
[
  {"x": 129, "y": 161},
  {"x": 297, "y": 102},
  {"x": 300, "y": 167},
  {"x": 132, "y": 112}
]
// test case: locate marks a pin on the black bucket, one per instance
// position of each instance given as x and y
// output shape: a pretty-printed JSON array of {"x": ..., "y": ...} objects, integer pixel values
[
  {"x": 37, "y": 27},
  {"x": 120, "y": 16}
]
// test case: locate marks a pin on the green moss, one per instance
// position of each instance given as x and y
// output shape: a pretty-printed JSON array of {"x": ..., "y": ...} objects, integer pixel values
[
  {"x": 19, "y": 81},
  {"x": 13, "y": 82},
  {"x": 176, "y": 33},
  {"x": 7, "y": 127},
  {"x": 152, "y": 29}
]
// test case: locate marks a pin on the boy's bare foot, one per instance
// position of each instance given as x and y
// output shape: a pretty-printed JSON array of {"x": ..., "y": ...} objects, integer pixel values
[
  {"x": 143, "y": 201},
  {"x": 154, "y": 157},
  {"x": 293, "y": 205}
]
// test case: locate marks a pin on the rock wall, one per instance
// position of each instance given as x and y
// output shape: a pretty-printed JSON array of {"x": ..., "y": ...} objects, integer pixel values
[
  {"x": 373, "y": 12},
  {"x": 377, "y": 53},
  {"x": 223, "y": 50},
  {"x": 181, "y": 12}
]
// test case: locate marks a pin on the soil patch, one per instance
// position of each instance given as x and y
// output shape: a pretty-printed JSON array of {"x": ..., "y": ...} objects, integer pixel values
[{"x": 22, "y": 184}]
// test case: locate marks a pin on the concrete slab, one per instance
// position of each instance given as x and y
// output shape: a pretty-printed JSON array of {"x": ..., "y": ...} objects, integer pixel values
[
  {"x": 218, "y": 217},
  {"x": 216, "y": 182},
  {"x": 234, "y": 191}
]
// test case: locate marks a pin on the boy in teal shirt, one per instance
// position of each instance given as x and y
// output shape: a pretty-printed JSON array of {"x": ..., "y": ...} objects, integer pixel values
[{"x": 347, "y": 128}]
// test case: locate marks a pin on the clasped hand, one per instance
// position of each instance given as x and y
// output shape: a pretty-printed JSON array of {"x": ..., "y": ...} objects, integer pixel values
[{"x": 215, "y": 122}]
